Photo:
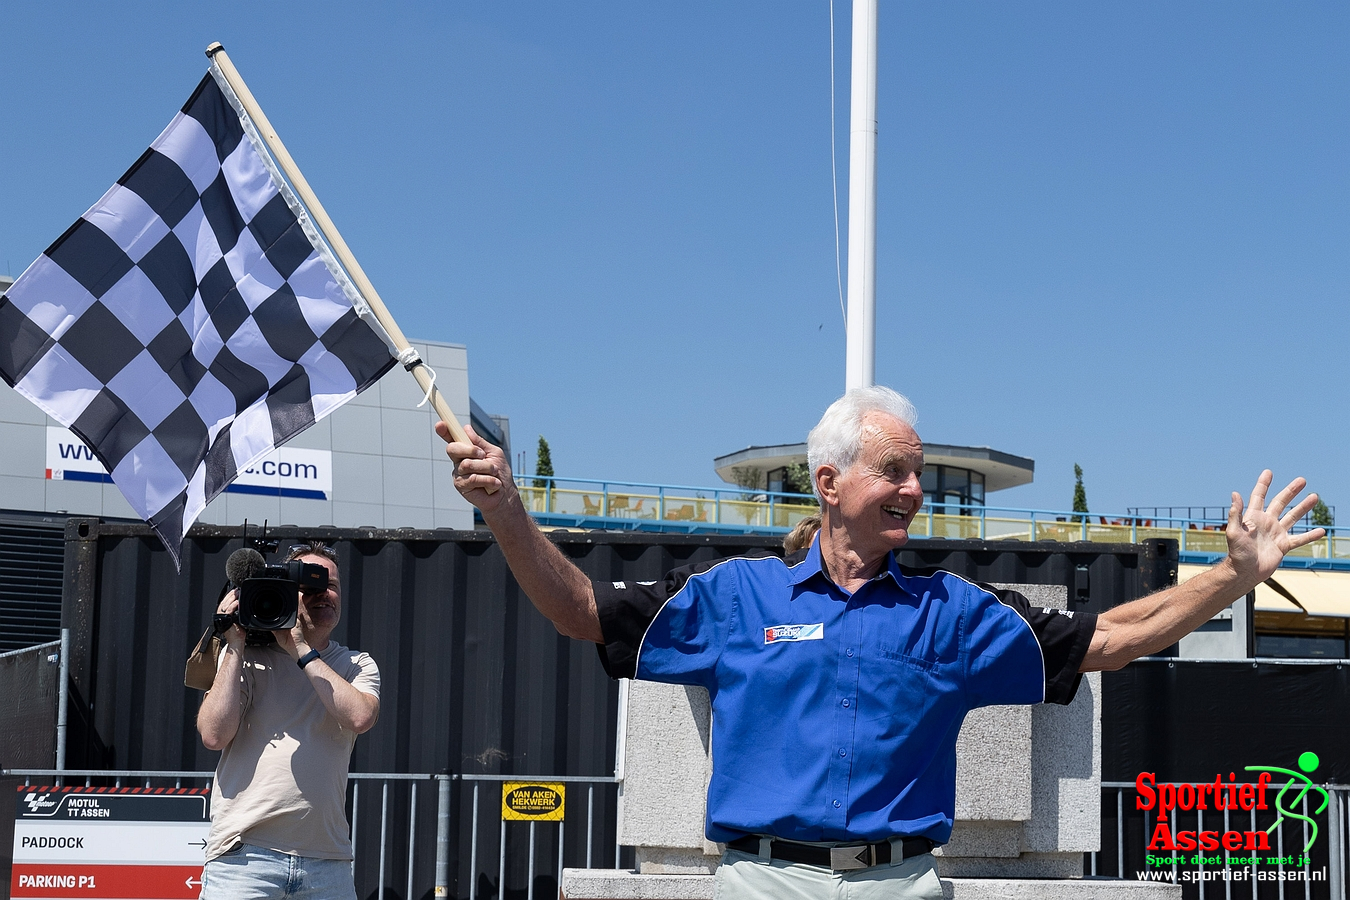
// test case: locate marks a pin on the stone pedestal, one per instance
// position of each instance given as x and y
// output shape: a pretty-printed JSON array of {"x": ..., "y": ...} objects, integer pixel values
[
  {"x": 621, "y": 884},
  {"x": 665, "y": 772},
  {"x": 1028, "y": 783},
  {"x": 1028, "y": 800}
]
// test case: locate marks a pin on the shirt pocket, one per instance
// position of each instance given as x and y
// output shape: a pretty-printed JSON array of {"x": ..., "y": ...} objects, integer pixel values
[
  {"x": 898, "y": 655},
  {"x": 897, "y": 688}
]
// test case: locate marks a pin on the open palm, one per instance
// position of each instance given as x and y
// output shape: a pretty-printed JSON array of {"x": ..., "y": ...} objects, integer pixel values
[{"x": 1260, "y": 537}]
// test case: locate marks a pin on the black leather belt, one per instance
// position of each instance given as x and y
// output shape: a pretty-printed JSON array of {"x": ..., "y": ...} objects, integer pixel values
[{"x": 850, "y": 856}]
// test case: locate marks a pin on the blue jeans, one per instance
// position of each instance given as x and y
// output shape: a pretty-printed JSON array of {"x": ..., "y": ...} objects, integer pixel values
[{"x": 254, "y": 873}]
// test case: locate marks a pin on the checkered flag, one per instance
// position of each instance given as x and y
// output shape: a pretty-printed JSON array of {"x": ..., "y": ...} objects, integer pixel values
[{"x": 192, "y": 320}]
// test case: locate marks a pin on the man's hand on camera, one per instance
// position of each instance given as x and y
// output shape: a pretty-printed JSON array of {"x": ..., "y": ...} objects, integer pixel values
[
  {"x": 293, "y": 641},
  {"x": 234, "y": 635}
]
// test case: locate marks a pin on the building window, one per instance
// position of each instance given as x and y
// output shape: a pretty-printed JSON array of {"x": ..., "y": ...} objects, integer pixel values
[
  {"x": 947, "y": 489},
  {"x": 1296, "y": 636}
]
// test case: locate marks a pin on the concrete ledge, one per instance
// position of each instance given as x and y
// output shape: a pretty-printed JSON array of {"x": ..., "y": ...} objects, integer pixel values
[
  {"x": 1056, "y": 889},
  {"x": 984, "y": 840},
  {"x": 621, "y": 884},
  {"x": 667, "y": 861},
  {"x": 1027, "y": 866}
]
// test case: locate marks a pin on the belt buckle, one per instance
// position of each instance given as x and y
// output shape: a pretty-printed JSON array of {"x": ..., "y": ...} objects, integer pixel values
[{"x": 855, "y": 857}]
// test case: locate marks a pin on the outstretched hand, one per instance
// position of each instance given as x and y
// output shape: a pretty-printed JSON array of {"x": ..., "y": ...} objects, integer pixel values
[
  {"x": 482, "y": 474},
  {"x": 1260, "y": 537}
]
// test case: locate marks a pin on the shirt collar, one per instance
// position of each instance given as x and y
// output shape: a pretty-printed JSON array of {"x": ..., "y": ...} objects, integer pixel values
[
  {"x": 808, "y": 566},
  {"x": 893, "y": 569},
  {"x": 812, "y": 565}
]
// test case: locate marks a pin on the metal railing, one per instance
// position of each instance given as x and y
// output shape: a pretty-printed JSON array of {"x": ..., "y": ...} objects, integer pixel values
[
  {"x": 632, "y": 504},
  {"x": 478, "y": 780},
  {"x": 1124, "y": 853},
  {"x": 594, "y": 503},
  {"x": 386, "y": 865}
]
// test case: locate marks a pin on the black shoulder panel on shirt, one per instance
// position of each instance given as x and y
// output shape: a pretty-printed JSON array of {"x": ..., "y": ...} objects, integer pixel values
[
  {"x": 1064, "y": 636},
  {"x": 626, "y": 608}
]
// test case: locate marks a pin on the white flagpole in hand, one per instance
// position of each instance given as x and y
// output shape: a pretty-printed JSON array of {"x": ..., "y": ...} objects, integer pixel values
[{"x": 344, "y": 254}]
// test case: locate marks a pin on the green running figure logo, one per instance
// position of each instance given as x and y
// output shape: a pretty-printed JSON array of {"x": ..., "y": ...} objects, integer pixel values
[{"x": 1308, "y": 763}]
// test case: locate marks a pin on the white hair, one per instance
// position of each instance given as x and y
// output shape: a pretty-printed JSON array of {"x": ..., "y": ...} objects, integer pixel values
[{"x": 837, "y": 438}]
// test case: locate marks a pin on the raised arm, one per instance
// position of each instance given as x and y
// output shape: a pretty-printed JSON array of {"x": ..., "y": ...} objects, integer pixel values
[
  {"x": 1258, "y": 540},
  {"x": 556, "y": 587},
  {"x": 220, "y": 713}
]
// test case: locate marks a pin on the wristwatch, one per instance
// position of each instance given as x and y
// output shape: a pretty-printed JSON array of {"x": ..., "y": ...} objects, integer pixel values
[{"x": 307, "y": 658}]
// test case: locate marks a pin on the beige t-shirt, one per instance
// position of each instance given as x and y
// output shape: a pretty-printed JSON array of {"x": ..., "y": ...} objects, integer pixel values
[{"x": 282, "y": 782}]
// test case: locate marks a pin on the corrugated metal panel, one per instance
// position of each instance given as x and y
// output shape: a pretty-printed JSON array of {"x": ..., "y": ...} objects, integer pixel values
[
  {"x": 31, "y": 555},
  {"x": 28, "y": 689},
  {"x": 474, "y": 679}
]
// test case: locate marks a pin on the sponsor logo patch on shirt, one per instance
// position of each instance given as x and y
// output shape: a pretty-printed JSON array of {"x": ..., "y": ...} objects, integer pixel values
[
  {"x": 1068, "y": 613},
  {"x": 775, "y": 633}
]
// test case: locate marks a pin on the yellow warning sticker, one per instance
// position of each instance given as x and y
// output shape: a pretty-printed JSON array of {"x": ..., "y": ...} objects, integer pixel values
[{"x": 534, "y": 801}]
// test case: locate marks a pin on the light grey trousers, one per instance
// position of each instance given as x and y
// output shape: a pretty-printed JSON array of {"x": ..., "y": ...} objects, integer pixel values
[{"x": 744, "y": 876}]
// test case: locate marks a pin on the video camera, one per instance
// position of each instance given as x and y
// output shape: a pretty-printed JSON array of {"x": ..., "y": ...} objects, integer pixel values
[{"x": 268, "y": 595}]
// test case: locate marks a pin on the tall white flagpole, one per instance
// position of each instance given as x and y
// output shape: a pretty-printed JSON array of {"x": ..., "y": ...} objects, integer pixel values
[{"x": 860, "y": 352}]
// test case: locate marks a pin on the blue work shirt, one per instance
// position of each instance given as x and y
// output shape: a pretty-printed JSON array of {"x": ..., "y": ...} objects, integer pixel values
[{"x": 835, "y": 715}]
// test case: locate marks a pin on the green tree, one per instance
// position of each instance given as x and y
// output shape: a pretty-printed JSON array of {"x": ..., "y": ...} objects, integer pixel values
[
  {"x": 1079, "y": 493},
  {"x": 748, "y": 477},
  {"x": 797, "y": 479},
  {"x": 543, "y": 463},
  {"x": 1321, "y": 515}
]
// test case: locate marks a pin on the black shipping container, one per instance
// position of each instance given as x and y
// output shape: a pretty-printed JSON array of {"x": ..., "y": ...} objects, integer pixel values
[{"x": 474, "y": 680}]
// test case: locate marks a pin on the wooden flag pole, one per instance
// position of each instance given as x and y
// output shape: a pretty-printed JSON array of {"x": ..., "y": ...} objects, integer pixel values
[{"x": 344, "y": 254}]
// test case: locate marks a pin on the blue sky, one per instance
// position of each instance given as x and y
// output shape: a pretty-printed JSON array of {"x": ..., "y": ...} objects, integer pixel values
[{"x": 1117, "y": 235}]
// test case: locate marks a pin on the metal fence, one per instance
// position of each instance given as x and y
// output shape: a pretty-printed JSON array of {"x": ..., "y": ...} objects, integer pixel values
[
  {"x": 395, "y": 861},
  {"x": 628, "y": 505},
  {"x": 1305, "y": 852},
  {"x": 1127, "y": 834},
  {"x": 533, "y": 852}
]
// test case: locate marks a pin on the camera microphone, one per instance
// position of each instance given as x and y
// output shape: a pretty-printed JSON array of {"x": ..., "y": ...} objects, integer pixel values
[{"x": 243, "y": 564}]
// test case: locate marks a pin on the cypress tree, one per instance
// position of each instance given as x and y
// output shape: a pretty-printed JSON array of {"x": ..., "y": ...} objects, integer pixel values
[
  {"x": 1079, "y": 493},
  {"x": 1321, "y": 515},
  {"x": 543, "y": 463}
]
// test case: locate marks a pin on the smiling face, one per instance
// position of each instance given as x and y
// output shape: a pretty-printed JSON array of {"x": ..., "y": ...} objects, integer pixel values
[
  {"x": 319, "y": 612},
  {"x": 877, "y": 497}
]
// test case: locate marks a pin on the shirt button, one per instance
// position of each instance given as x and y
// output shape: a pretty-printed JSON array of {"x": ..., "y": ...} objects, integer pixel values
[
  {"x": 836, "y": 804},
  {"x": 846, "y": 703},
  {"x": 848, "y": 652},
  {"x": 843, "y": 752}
]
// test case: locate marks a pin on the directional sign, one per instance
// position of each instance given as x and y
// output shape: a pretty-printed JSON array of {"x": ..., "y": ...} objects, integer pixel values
[{"x": 121, "y": 843}]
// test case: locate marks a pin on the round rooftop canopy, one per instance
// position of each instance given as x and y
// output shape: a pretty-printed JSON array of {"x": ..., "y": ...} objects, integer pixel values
[{"x": 1000, "y": 470}]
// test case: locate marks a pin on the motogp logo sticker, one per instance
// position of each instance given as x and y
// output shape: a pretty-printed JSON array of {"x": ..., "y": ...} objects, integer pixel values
[{"x": 39, "y": 805}]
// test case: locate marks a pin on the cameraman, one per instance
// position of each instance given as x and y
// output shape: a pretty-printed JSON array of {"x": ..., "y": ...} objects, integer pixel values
[{"x": 285, "y": 717}]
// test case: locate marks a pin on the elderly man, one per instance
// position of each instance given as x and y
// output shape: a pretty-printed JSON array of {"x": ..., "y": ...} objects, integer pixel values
[
  {"x": 839, "y": 684},
  {"x": 285, "y": 717}
]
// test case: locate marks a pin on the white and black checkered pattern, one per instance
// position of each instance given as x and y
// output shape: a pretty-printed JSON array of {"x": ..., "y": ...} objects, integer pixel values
[{"x": 191, "y": 321}]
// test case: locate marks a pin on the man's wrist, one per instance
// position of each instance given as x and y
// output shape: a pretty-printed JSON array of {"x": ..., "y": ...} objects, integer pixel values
[
  {"x": 1237, "y": 578},
  {"x": 307, "y": 657}
]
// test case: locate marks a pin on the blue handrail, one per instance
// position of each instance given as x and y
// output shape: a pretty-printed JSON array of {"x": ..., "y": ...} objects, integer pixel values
[{"x": 773, "y": 499}]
